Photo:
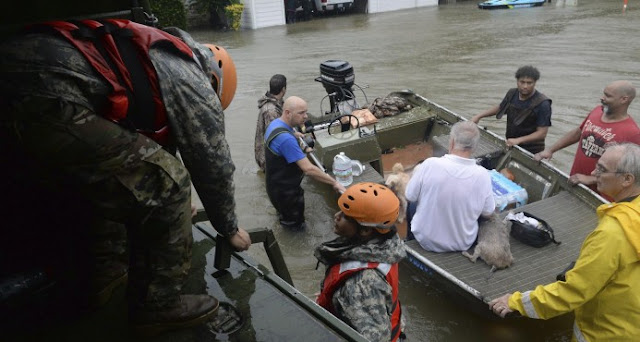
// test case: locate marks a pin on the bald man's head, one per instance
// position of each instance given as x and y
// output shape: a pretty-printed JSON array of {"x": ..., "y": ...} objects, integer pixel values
[
  {"x": 292, "y": 102},
  {"x": 294, "y": 111},
  {"x": 624, "y": 88}
]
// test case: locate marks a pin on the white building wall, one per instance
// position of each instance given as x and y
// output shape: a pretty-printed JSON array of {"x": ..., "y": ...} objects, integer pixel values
[
  {"x": 265, "y": 13},
  {"x": 425, "y": 3},
  {"x": 376, "y": 6},
  {"x": 262, "y": 13}
]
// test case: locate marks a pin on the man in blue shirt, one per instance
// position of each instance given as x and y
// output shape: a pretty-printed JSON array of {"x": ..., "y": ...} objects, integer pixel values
[
  {"x": 528, "y": 112},
  {"x": 286, "y": 164}
]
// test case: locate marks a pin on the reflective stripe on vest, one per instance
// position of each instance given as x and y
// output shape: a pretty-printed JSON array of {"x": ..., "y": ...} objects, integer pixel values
[
  {"x": 115, "y": 70},
  {"x": 339, "y": 273}
]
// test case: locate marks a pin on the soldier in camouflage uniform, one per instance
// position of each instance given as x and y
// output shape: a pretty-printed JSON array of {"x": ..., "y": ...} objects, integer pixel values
[
  {"x": 269, "y": 109},
  {"x": 52, "y": 98},
  {"x": 361, "y": 282}
]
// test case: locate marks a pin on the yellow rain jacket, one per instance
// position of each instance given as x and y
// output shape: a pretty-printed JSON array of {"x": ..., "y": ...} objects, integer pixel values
[{"x": 604, "y": 286}]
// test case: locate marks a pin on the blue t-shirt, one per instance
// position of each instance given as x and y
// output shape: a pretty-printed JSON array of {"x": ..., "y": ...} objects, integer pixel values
[
  {"x": 284, "y": 145},
  {"x": 542, "y": 111}
]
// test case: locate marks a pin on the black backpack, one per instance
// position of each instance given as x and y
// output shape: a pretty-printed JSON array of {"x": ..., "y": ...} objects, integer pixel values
[{"x": 539, "y": 236}]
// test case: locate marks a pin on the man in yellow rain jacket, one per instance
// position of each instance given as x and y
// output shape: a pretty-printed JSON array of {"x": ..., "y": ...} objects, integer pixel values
[{"x": 603, "y": 288}]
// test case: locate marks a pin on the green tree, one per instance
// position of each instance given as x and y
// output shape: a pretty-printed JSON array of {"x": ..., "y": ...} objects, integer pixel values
[{"x": 170, "y": 13}]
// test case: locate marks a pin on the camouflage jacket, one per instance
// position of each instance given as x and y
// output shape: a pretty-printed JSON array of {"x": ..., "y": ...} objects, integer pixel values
[
  {"x": 194, "y": 112},
  {"x": 364, "y": 301},
  {"x": 269, "y": 109}
]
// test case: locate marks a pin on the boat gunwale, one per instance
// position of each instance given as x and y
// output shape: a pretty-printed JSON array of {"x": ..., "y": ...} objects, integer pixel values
[{"x": 466, "y": 287}]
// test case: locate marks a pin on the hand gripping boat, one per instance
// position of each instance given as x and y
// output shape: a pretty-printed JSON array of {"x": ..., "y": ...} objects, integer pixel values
[{"x": 500, "y": 4}]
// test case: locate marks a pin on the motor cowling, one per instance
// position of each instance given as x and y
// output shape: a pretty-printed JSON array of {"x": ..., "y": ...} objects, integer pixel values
[{"x": 337, "y": 77}]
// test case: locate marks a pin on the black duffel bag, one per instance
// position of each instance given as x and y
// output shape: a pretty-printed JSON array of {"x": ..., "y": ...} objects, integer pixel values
[{"x": 539, "y": 236}]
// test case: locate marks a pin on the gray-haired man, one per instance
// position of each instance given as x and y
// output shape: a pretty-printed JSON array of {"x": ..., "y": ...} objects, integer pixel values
[{"x": 460, "y": 188}]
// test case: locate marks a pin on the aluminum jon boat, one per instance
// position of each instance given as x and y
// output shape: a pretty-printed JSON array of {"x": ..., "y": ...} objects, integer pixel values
[
  {"x": 423, "y": 132},
  {"x": 510, "y": 4}
]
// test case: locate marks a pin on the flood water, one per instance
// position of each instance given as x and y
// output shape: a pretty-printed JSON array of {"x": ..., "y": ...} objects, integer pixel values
[{"x": 456, "y": 55}]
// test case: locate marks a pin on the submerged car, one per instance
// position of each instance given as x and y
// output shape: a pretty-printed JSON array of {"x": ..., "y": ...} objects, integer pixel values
[{"x": 321, "y": 6}]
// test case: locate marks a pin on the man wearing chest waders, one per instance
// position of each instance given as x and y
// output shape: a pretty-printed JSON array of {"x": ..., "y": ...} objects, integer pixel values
[{"x": 286, "y": 164}]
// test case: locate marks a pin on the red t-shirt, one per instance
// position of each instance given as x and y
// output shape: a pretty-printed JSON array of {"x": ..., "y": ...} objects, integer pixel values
[{"x": 597, "y": 135}]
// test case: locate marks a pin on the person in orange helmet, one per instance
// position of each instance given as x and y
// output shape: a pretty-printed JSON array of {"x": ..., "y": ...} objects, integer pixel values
[{"x": 361, "y": 280}]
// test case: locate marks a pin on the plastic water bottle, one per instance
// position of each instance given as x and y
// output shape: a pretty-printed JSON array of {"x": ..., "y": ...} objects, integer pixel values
[{"x": 343, "y": 169}]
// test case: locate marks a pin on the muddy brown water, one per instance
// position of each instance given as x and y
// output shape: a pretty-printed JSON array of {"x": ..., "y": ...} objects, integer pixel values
[{"x": 456, "y": 55}]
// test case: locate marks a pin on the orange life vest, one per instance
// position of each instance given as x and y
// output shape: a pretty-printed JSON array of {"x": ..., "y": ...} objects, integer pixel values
[
  {"x": 339, "y": 273},
  {"x": 119, "y": 51}
]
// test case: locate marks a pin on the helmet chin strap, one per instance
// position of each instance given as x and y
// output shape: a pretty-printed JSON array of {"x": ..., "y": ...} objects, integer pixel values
[
  {"x": 365, "y": 231},
  {"x": 377, "y": 227}
]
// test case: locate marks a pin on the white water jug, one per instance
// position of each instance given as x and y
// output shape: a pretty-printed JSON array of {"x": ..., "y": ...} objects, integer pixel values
[{"x": 343, "y": 169}]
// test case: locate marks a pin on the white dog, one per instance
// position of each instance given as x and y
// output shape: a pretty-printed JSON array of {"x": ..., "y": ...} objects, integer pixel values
[{"x": 397, "y": 182}]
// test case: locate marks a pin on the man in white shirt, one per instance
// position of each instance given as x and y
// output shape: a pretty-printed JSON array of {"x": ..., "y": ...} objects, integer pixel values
[{"x": 451, "y": 192}]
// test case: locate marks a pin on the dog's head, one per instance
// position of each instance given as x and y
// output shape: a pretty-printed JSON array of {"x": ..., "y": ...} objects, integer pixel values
[
  {"x": 394, "y": 182},
  {"x": 397, "y": 181},
  {"x": 391, "y": 184}
]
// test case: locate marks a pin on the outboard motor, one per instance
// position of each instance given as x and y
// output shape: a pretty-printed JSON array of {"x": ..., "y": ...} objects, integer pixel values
[{"x": 338, "y": 78}]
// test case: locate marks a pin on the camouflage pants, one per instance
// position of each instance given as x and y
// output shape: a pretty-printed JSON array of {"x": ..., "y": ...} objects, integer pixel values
[{"x": 125, "y": 178}]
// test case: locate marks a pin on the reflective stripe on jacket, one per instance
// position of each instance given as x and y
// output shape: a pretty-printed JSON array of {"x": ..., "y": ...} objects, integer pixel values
[
  {"x": 97, "y": 40},
  {"x": 339, "y": 273},
  {"x": 604, "y": 286}
]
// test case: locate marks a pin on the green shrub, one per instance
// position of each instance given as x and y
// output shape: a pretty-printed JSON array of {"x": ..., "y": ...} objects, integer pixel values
[
  {"x": 234, "y": 13},
  {"x": 170, "y": 13}
]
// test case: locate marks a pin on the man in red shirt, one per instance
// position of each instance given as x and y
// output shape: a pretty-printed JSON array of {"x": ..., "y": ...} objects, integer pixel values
[{"x": 606, "y": 124}]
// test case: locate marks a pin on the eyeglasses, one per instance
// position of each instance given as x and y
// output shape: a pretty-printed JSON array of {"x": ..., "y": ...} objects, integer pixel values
[{"x": 600, "y": 170}]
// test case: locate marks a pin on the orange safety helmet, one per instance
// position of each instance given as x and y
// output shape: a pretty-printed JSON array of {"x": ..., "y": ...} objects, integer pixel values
[
  {"x": 371, "y": 205},
  {"x": 223, "y": 70}
]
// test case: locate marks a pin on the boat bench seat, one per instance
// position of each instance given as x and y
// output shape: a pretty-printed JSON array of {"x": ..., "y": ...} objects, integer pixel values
[{"x": 486, "y": 150}]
